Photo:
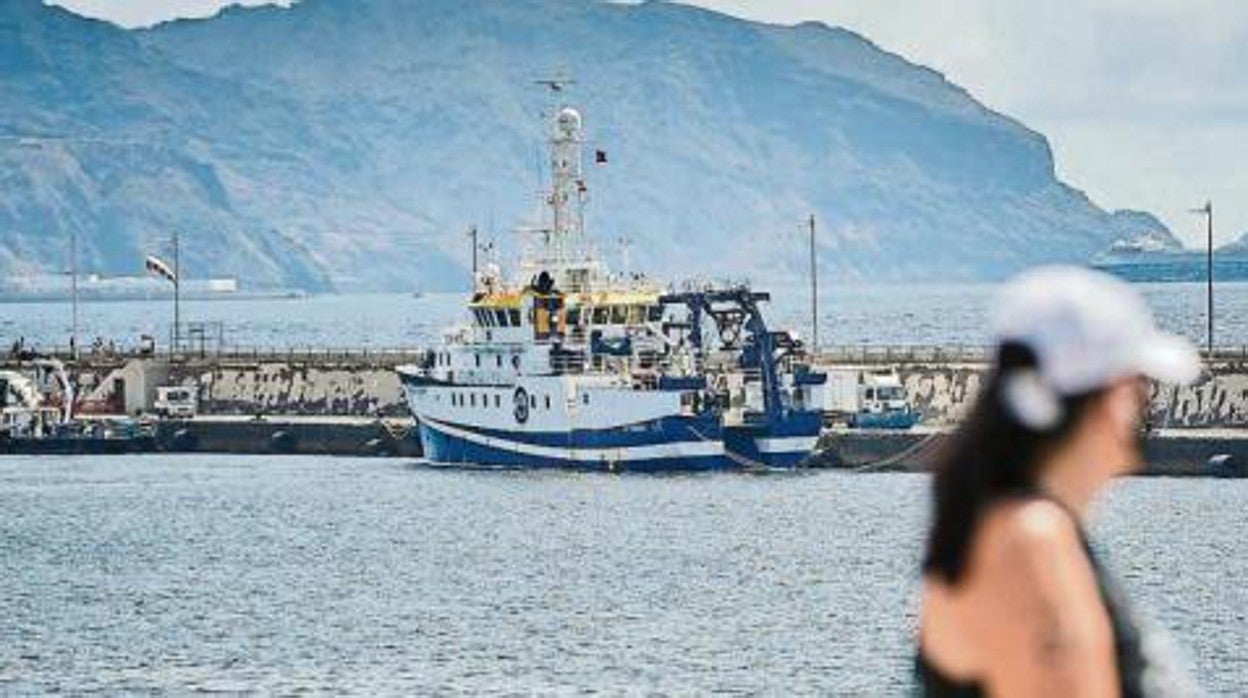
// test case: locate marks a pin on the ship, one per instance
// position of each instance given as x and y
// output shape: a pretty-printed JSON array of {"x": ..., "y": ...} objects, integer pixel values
[
  {"x": 568, "y": 365},
  {"x": 37, "y": 417}
]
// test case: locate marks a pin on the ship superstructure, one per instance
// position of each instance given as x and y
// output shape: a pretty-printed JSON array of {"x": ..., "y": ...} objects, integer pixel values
[{"x": 568, "y": 365}]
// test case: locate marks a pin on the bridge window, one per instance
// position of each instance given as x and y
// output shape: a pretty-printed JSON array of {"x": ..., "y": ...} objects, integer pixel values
[
  {"x": 636, "y": 314},
  {"x": 655, "y": 313},
  {"x": 514, "y": 314},
  {"x": 500, "y": 317},
  {"x": 574, "y": 316},
  {"x": 602, "y": 315},
  {"x": 619, "y": 314}
]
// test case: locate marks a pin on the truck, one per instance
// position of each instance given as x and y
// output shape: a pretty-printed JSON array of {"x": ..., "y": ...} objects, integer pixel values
[
  {"x": 176, "y": 401},
  {"x": 866, "y": 398}
]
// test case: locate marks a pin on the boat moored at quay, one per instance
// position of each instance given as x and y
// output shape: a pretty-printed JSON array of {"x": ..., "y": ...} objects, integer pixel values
[{"x": 568, "y": 365}]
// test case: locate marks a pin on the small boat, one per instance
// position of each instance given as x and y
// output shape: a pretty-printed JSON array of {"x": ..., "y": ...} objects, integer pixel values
[{"x": 32, "y": 422}]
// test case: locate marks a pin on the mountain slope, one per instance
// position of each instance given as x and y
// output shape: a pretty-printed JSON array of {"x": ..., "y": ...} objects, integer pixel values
[{"x": 350, "y": 142}]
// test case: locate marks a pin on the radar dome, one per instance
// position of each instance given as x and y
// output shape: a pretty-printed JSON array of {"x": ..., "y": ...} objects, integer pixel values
[{"x": 569, "y": 121}]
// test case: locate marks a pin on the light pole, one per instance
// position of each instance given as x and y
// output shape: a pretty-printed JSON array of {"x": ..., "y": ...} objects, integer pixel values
[
  {"x": 814, "y": 291},
  {"x": 39, "y": 143},
  {"x": 1207, "y": 212},
  {"x": 177, "y": 292},
  {"x": 73, "y": 291}
]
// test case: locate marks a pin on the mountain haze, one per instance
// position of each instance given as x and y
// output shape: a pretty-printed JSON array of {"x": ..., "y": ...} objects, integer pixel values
[{"x": 347, "y": 144}]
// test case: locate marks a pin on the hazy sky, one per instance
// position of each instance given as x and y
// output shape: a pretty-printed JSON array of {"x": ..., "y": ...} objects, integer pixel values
[{"x": 1144, "y": 101}]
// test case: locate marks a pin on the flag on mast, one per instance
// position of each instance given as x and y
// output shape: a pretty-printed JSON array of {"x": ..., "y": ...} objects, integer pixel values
[{"x": 155, "y": 265}]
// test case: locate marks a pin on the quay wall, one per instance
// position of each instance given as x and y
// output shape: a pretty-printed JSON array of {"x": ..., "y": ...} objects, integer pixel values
[
  {"x": 944, "y": 392},
  {"x": 322, "y": 383},
  {"x": 1169, "y": 453},
  {"x": 294, "y": 388}
]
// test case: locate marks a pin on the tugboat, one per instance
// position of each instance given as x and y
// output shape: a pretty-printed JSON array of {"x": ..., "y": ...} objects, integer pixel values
[{"x": 571, "y": 366}]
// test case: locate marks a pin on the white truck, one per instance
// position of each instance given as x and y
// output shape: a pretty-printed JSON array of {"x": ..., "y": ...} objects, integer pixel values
[
  {"x": 866, "y": 398},
  {"x": 176, "y": 401}
]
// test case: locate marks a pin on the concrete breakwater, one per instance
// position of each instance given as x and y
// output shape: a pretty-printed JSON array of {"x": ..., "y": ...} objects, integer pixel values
[
  {"x": 1169, "y": 452},
  {"x": 350, "y": 403},
  {"x": 944, "y": 392},
  {"x": 361, "y": 383}
]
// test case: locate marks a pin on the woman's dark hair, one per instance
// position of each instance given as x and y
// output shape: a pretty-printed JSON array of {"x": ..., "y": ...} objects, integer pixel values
[{"x": 991, "y": 456}]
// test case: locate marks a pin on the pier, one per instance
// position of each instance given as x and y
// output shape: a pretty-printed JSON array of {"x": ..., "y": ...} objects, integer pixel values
[{"x": 348, "y": 402}]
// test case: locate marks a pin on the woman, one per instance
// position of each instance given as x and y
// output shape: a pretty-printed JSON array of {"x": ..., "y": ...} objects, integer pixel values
[{"x": 1014, "y": 603}]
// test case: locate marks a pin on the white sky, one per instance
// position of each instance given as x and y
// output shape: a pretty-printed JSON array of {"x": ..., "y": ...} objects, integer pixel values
[{"x": 1144, "y": 101}]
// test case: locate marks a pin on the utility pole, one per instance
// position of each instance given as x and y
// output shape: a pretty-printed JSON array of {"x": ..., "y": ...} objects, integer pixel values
[
  {"x": 73, "y": 291},
  {"x": 1207, "y": 212},
  {"x": 177, "y": 293},
  {"x": 814, "y": 291}
]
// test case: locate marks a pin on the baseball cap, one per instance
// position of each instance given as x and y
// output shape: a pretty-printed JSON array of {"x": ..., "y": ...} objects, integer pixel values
[{"x": 1088, "y": 329}]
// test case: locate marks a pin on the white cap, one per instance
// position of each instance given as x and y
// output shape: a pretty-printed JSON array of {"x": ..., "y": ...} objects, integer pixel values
[{"x": 1087, "y": 329}]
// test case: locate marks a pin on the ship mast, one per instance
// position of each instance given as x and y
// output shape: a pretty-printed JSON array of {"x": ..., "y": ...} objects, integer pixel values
[{"x": 560, "y": 245}]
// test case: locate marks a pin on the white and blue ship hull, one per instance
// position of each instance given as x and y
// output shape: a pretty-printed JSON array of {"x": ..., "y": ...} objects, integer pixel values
[{"x": 632, "y": 434}]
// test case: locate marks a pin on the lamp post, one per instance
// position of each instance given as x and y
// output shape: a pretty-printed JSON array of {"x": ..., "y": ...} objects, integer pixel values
[
  {"x": 177, "y": 292},
  {"x": 73, "y": 291},
  {"x": 39, "y": 143},
  {"x": 814, "y": 291},
  {"x": 1207, "y": 212}
]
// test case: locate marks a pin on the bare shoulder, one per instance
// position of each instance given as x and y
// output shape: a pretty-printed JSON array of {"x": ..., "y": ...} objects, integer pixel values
[
  {"x": 1021, "y": 525},
  {"x": 1026, "y": 538}
]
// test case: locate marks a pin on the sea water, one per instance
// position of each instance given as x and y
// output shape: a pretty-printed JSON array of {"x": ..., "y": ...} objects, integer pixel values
[
  {"x": 174, "y": 574},
  {"x": 929, "y": 314}
]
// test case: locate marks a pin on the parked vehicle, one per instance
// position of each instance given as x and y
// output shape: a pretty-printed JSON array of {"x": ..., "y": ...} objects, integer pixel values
[
  {"x": 176, "y": 401},
  {"x": 867, "y": 399}
]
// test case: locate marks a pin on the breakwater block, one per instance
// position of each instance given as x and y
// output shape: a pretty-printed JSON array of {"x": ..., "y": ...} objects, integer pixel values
[
  {"x": 1170, "y": 453},
  {"x": 330, "y": 437}
]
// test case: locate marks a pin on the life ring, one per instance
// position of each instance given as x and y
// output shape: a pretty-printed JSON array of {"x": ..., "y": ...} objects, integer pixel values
[{"x": 520, "y": 405}]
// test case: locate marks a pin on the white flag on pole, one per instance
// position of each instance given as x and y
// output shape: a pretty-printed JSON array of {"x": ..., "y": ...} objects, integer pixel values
[{"x": 157, "y": 266}]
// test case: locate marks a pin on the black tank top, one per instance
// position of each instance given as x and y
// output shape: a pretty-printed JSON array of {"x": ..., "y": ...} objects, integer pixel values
[{"x": 1147, "y": 663}]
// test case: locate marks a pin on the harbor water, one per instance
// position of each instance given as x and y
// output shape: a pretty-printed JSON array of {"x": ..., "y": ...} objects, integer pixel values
[
  {"x": 899, "y": 314},
  {"x": 278, "y": 575}
]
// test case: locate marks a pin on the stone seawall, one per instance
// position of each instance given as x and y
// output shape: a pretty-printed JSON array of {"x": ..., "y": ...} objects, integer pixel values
[
  {"x": 294, "y": 388},
  {"x": 343, "y": 386},
  {"x": 943, "y": 393}
]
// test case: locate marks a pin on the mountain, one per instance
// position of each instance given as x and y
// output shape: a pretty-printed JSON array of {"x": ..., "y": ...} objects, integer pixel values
[
  {"x": 347, "y": 144},
  {"x": 106, "y": 138},
  {"x": 1235, "y": 248}
]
